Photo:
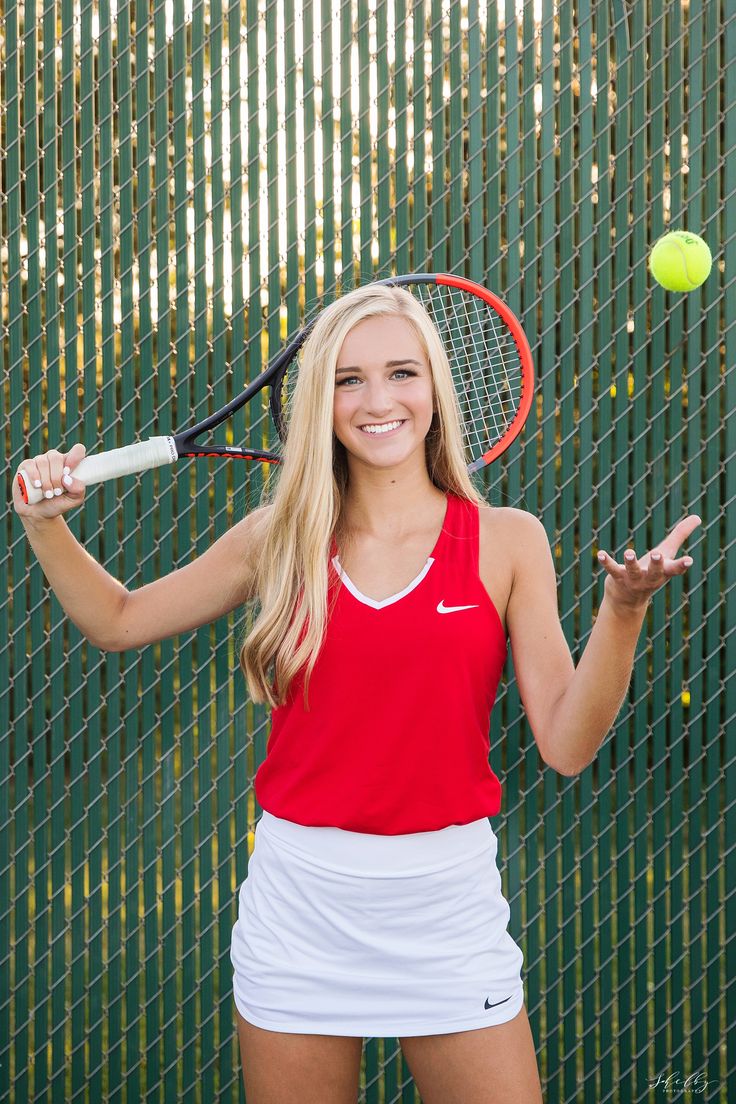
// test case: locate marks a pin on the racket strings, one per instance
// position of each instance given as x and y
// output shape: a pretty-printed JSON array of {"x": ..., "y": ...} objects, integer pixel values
[{"x": 484, "y": 359}]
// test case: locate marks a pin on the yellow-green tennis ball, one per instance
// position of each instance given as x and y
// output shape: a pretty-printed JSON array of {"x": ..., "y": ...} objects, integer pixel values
[{"x": 680, "y": 261}]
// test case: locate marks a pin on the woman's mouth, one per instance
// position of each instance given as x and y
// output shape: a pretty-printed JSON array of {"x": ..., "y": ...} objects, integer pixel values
[{"x": 382, "y": 429}]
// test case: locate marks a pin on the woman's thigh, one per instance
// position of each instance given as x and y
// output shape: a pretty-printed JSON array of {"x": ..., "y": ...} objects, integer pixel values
[
  {"x": 313, "y": 1069},
  {"x": 490, "y": 1065}
]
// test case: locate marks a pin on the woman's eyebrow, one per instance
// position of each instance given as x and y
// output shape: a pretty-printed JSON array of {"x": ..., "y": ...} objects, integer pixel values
[{"x": 388, "y": 364}]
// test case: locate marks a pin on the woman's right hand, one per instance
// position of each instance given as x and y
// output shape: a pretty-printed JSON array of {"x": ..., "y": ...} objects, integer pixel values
[{"x": 47, "y": 471}]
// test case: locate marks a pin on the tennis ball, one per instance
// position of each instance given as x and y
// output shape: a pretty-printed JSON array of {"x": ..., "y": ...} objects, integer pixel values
[{"x": 680, "y": 261}]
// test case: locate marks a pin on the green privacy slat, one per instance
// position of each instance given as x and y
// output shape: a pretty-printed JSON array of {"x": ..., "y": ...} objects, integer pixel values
[
  {"x": 364, "y": 175},
  {"x": 87, "y": 838},
  {"x": 291, "y": 102},
  {"x": 648, "y": 694},
  {"x": 404, "y": 26},
  {"x": 308, "y": 91},
  {"x": 382, "y": 190},
  {"x": 723, "y": 547},
  {"x": 18, "y": 843},
  {"x": 624, "y": 486},
  {"x": 182, "y": 182},
  {"x": 452, "y": 145},
  {"x": 437, "y": 202},
  {"x": 476, "y": 249},
  {"x": 328, "y": 33},
  {"x": 582, "y": 230},
  {"x": 418, "y": 242},
  {"x": 347, "y": 143}
]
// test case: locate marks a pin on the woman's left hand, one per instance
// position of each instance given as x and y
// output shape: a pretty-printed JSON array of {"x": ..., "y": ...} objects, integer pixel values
[{"x": 631, "y": 585}]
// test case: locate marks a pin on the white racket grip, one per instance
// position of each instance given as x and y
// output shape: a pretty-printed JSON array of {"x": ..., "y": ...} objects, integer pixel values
[{"x": 101, "y": 466}]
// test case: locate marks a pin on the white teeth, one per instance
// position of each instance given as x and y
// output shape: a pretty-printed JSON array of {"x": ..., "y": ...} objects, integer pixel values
[{"x": 380, "y": 428}]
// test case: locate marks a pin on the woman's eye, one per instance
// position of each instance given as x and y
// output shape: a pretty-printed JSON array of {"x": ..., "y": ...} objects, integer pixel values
[{"x": 399, "y": 371}]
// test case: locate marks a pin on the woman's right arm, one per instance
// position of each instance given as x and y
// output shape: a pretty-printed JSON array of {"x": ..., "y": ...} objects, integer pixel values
[
  {"x": 112, "y": 617},
  {"x": 90, "y": 596}
]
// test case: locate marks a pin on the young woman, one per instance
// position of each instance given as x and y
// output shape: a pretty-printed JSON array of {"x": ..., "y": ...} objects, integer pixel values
[{"x": 388, "y": 592}]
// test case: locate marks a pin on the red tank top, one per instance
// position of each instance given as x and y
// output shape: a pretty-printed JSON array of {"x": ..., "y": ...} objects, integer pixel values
[{"x": 396, "y": 738}]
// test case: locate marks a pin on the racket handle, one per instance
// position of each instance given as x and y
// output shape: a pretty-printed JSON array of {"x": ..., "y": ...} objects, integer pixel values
[{"x": 101, "y": 466}]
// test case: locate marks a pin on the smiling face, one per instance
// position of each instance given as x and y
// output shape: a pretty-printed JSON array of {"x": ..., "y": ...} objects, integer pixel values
[{"x": 382, "y": 377}]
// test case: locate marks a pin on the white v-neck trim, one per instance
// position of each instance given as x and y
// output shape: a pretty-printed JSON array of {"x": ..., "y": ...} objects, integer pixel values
[{"x": 385, "y": 601}]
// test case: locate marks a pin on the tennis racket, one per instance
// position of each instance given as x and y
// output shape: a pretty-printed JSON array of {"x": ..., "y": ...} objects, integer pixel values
[{"x": 491, "y": 365}]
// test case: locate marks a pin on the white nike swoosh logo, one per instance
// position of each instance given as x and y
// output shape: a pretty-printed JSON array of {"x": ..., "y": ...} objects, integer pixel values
[{"x": 442, "y": 608}]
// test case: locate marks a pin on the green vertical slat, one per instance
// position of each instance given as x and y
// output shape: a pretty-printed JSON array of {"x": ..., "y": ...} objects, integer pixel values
[
  {"x": 32, "y": 213},
  {"x": 33, "y": 342},
  {"x": 311, "y": 247},
  {"x": 623, "y": 518},
  {"x": 236, "y": 106},
  {"x": 558, "y": 194},
  {"x": 273, "y": 172},
  {"x": 382, "y": 191},
  {"x": 724, "y": 551},
  {"x": 704, "y": 595},
  {"x": 364, "y": 174},
  {"x": 456, "y": 194},
  {"x": 145, "y": 414},
  {"x": 10, "y": 399},
  {"x": 648, "y": 690},
  {"x": 583, "y": 230},
  {"x": 158, "y": 662},
  {"x": 439, "y": 245},
  {"x": 44, "y": 404},
  {"x": 348, "y": 275},
  {"x": 289, "y": 176},
  {"x": 191, "y": 396},
  {"x": 541, "y": 271},
  {"x": 476, "y": 247},
  {"x": 493, "y": 482},
  {"x": 108, "y": 1077},
  {"x": 88, "y": 834},
  {"x": 604, "y": 428},
  {"x": 237, "y": 855},
  {"x": 216, "y": 911},
  {"x": 26, "y": 997},
  {"x": 493, "y": 124},
  {"x": 403, "y": 27},
  {"x": 655, "y": 369},
  {"x": 522, "y": 885},
  {"x": 329, "y": 33},
  {"x": 313, "y": 243},
  {"x": 124, "y": 363},
  {"x": 420, "y": 260},
  {"x": 70, "y": 856}
]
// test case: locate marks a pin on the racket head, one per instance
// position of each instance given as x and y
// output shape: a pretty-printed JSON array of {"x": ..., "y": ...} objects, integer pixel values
[{"x": 489, "y": 356}]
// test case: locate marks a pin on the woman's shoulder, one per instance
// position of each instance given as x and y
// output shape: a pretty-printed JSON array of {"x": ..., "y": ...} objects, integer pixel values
[{"x": 508, "y": 516}]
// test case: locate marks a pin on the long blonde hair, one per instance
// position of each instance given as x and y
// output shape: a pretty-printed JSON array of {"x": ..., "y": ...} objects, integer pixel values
[{"x": 291, "y": 580}]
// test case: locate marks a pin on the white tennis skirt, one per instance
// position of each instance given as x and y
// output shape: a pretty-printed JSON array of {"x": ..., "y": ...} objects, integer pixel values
[{"x": 347, "y": 933}]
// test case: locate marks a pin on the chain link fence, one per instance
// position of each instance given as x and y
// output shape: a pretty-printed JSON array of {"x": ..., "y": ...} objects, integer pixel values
[{"x": 180, "y": 184}]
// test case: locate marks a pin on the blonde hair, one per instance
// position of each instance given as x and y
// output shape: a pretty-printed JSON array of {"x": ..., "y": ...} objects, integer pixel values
[{"x": 291, "y": 578}]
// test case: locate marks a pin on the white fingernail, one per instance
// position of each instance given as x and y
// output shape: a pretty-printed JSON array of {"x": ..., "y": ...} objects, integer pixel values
[
  {"x": 58, "y": 491},
  {"x": 66, "y": 471},
  {"x": 68, "y": 480},
  {"x": 48, "y": 494},
  {"x": 36, "y": 482}
]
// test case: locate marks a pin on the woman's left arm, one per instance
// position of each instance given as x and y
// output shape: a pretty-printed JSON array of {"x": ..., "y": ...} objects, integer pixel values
[{"x": 586, "y": 710}]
